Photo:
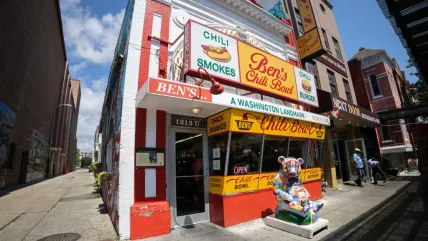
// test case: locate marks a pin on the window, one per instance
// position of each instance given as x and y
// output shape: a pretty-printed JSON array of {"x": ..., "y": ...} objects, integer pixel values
[
  {"x": 374, "y": 84},
  {"x": 244, "y": 153},
  {"x": 298, "y": 149},
  {"x": 386, "y": 134},
  {"x": 322, "y": 8},
  {"x": 324, "y": 35},
  {"x": 347, "y": 90},
  {"x": 218, "y": 145},
  {"x": 311, "y": 67},
  {"x": 273, "y": 148},
  {"x": 337, "y": 48},
  {"x": 332, "y": 81},
  {"x": 299, "y": 22}
]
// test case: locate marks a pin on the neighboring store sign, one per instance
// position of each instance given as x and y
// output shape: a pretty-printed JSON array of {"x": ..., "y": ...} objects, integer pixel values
[
  {"x": 333, "y": 63},
  {"x": 347, "y": 107},
  {"x": 223, "y": 185},
  {"x": 309, "y": 45},
  {"x": 235, "y": 63},
  {"x": 186, "y": 121},
  {"x": 253, "y": 122},
  {"x": 306, "y": 15},
  {"x": 307, "y": 90}
]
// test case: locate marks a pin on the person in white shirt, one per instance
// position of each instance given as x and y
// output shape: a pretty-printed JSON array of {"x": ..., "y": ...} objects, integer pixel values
[{"x": 375, "y": 168}]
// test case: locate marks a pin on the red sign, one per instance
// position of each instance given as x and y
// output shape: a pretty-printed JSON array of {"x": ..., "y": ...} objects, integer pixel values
[{"x": 180, "y": 90}]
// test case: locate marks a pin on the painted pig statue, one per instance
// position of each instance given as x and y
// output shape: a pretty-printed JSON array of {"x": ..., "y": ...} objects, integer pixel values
[{"x": 294, "y": 204}]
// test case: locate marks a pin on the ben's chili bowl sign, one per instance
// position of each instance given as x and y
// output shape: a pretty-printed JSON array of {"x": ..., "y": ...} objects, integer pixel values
[{"x": 239, "y": 64}]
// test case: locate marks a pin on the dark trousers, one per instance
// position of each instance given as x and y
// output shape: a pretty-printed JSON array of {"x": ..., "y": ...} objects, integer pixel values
[
  {"x": 360, "y": 174},
  {"x": 377, "y": 169}
]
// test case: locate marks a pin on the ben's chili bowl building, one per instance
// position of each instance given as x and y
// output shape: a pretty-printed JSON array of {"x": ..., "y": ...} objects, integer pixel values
[{"x": 180, "y": 149}]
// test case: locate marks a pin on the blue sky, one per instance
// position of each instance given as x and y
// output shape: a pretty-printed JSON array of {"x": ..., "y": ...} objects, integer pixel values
[{"x": 91, "y": 28}]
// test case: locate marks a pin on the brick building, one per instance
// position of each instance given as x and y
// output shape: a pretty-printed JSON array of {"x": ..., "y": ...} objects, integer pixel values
[
  {"x": 33, "y": 64},
  {"x": 336, "y": 90},
  {"x": 381, "y": 86}
]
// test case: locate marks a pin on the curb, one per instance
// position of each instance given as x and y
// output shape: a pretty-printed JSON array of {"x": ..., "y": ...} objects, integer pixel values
[{"x": 341, "y": 232}]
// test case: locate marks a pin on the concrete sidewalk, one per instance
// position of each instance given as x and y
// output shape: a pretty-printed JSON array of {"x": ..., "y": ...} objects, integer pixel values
[
  {"x": 342, "y": 205},
  {"x": 65, "y": 206}
]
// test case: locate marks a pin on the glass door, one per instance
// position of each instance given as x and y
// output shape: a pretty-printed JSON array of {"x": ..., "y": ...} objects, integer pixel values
[{"x": 189, "y": 191}]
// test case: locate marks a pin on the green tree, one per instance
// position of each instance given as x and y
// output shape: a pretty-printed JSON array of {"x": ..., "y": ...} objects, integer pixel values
[
  {"x": 86, "y": 161},
  {"x": 78, "y": 160},
  {"x": 418, "y": 89}
]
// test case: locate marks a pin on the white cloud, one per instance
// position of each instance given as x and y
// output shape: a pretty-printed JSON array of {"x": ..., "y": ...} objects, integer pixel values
[
  {"x": 90, "y": 111},
  {"x": 88, "y": 37},
  {"x": 75, "y": 68}
]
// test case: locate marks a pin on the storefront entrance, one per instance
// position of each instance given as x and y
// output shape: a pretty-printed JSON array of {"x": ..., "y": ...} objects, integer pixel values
[
  {"x": 189, "y": 177},
  {"x": 350, "y": 150}
]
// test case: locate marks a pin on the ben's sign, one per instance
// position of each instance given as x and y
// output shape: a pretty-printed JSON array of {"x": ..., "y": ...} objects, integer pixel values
[
  {"x": 253, "y": 122},
  {"x": 244, "y": 66}
]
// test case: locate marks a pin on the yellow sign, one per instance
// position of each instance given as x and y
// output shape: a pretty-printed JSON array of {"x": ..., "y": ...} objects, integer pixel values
[
  {"x": 243, "y": 183},
  {"x": 234, "y": 184},
  {"x": 309, "y": 44},
  {"x": 264, "y": 71},
  {"x": 254, "y": 122},
  {"x": 219, "y": 123},
  {"x": 311, "y": 174},
  {"x": 306, "y": 15}
]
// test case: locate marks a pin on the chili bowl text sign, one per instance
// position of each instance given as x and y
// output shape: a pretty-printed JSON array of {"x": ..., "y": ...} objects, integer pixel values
[
  {"x": 265, "y": 71},
  {"x": 225, "y": 185},
  {"x": 309, "y": 45}
]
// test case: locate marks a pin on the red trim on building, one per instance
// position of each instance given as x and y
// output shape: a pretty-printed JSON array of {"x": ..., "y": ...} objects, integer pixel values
[
  {"x": 151, "y": 217},
  {"x": 140, "y": 141}
]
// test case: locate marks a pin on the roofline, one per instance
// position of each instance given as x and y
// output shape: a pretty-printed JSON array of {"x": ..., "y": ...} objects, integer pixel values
[{"x": 58, "y": 7}]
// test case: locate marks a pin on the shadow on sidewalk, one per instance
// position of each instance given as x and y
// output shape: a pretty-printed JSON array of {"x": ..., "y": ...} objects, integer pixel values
[{"x": 403, "y": 219}]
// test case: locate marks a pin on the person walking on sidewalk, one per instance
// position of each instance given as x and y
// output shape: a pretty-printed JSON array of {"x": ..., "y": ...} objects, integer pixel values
[
  {"x": 359, "y": 166},
  {"x": 374, "y": 166}
]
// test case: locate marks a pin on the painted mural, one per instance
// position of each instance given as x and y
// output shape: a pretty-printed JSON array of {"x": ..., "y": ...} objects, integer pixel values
[
  {"x": 38, "y": 156},
  {"x": 274, "y": 7},
  {"x": 111, "y": 119},
  {"x": 7, "y": 124}
]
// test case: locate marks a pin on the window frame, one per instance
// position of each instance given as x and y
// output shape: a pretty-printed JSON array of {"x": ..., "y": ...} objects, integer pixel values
[
  {"x": 314, "y": 72},
  {"x": 383, "y": 135},
  {"x": 347, "y": 90},
  {"x": 332, "y": 83},
  {"x": 327, "y": 44},
  {"x": 380, "y": 95},
  {"x": 300, "y": 29},
  {"x": 337, "y": 48}
]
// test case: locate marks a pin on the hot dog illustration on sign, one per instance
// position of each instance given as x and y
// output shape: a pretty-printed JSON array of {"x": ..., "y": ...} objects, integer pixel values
[
  {"x": 293, "y": 200},
  {"x": 219, "y": 54}
]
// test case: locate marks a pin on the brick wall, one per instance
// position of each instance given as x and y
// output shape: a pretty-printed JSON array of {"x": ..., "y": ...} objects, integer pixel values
[
  {"x": 359, "y": 84},
  {"x": 32, "y": 64}
]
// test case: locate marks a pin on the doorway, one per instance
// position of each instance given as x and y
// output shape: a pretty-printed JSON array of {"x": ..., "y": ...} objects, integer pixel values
[
  {"x": 23, "y": 169},
  {"x": 350, "y": 150},
  {"x": 189, "y": 177},
  {"x": 340, "y": 160}
]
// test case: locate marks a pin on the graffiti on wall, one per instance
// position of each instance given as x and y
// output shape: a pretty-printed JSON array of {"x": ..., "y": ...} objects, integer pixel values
[
  {"x": 7, "y": 124},
  {"x": 38, "y": 156}
]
